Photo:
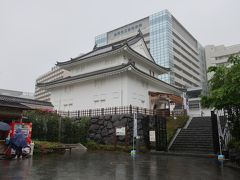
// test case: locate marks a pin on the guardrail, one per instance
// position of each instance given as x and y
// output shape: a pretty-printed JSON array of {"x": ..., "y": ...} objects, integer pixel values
[{"x": 117, "y": 110}]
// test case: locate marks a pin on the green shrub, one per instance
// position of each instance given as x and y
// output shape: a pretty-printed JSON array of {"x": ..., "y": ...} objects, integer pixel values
[
  {"x": 174, "y": 124},
  {"x": 83, "y": 129},
  {"x": 234, "y": 144},
  {"x": 47, "y": 126},
  {"x": 92, "y": 145}
]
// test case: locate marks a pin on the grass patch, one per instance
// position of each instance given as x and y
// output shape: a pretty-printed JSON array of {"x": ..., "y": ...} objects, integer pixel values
[
  {"x": 45, "y": 147},
  {"x": 93, "y": 146},
  {"x": 174, "y": 124}
]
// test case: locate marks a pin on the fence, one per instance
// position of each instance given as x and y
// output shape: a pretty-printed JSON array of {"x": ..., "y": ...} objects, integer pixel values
[
  {"x": 114, "y": 110},
  {"x": 224, "y": 129}
]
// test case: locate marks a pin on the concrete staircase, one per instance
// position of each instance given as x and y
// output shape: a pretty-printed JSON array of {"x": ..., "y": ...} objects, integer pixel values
[{"x": 196, "y": 138}]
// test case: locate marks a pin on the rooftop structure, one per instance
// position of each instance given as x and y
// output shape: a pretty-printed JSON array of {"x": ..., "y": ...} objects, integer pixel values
[{"x": 170, "y": 44}]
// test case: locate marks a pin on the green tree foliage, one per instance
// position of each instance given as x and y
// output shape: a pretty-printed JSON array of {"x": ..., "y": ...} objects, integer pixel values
[
  {"x": 51, "y": 127},
  {"x": 224, "y": 92}
]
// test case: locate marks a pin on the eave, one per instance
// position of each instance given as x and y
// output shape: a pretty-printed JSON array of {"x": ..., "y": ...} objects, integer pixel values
[
  {"x": 146, "y": 60},
  {"x": 69, "y": 64},
  {"x": 108, "y": 72},
  {"x": 85, "y": 77}
]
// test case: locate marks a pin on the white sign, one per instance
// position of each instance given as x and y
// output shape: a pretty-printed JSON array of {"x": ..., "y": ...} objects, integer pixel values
[
  {"x": 120, "y": 131},
  {"x": 135, "y": 125},
  {"x": 152, "y": 136}
]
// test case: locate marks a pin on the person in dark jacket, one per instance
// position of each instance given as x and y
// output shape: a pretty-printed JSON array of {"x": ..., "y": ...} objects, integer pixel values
[{"x": 18, "y": 142}]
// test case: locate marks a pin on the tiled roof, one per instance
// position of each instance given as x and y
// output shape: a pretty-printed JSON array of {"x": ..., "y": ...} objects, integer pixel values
[
  {"x": 104, "y": 49},
  {"x": 12, "y": 104},
  {"x": 71, "y": 78},
  {"x": 100, "y": 72},
  {"x": 23, "y": 103}
]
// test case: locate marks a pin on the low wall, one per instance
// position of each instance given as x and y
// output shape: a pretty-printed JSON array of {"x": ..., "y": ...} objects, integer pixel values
[{"x": 102, "y": 128}]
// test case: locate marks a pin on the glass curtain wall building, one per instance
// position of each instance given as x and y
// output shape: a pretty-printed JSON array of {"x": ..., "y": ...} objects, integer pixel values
[
  {"x": 171, "y": 46},
  {"x": 161, "y": 46}
]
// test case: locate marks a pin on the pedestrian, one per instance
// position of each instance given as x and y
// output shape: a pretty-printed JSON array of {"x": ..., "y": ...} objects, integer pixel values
[{"x": 18, "y": 142}]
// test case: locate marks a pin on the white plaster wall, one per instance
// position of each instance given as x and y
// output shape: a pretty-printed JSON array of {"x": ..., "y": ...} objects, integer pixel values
[
  {"x": 141, "y": 49},
  {"x": 138, "y": 89},
  {"x": 101, "y": 93},
  {"x": 97, "y": 64}
]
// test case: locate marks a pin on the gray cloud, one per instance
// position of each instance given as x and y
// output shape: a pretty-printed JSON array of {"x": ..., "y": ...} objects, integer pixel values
[{"x": 36, "y": 34}]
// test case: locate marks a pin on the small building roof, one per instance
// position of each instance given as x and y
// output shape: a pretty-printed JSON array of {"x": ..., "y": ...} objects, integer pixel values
[{"x": 23, "y": 103}]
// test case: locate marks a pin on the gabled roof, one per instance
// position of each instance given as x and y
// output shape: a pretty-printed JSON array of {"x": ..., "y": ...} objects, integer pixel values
[
  {"x": 23, "y": 103},
  {"x": 104, "y": 49},
  {"x": 105, "y": 72},
  {"x": 123, "y": 45}
]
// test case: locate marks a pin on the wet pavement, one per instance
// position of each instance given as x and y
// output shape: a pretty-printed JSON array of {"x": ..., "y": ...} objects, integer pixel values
[{"x": 115, "y": 166}]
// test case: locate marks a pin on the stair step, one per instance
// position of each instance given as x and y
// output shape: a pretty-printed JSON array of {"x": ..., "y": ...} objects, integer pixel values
[
  {"x": 193, "y": 141},
  {"x": 195, "y": 134},
  {"x": 196, "y": 138},
  {"x": 192, "y": 151},
  {"x": 192, "y": 145},
  {"x": 192, "y": 148}
]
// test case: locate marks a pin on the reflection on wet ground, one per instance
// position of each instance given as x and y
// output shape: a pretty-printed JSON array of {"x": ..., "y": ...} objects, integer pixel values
[{"x": 115, "y": 166}]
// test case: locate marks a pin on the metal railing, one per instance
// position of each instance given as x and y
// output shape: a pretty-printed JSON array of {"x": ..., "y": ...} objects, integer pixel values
[
  {"x": 223, "y": 129},
  {"x": 114, "y": 110}
]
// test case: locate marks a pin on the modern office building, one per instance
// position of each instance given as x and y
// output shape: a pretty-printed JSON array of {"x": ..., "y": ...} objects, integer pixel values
[
  {"x": 54, "y": 74},
  {"x": 170, "y": 44},
  {"x": 218, "y": 55}
]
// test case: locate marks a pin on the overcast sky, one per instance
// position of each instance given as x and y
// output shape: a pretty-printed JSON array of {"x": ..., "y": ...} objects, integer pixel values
[{"x": 35, "y": 34}]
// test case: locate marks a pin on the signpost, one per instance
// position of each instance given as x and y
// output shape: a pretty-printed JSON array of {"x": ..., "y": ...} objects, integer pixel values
[
  {"x": 120, "y": 131},
  {"x": 152, "y": 136}
]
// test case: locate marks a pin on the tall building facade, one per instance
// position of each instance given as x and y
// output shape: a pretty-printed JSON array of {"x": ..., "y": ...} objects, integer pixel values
[
  {"x": 218, "y": 55},
  {"x": 54, "y": 74},
  {"x": 171, "y": 46}
]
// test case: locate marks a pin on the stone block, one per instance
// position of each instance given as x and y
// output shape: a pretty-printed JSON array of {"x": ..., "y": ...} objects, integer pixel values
[
  {"x": 100, "y": 122},
  {"x": 117, "y": 124},
  {"x": 111, "y": 131},
  {"x": 104, "y": 133},
  {"x": 115, "y": 118},
  {"x": 94, "y": 120},
  {"x": 109, "y": 125},
  {"x": 93, "y": 127},
  {"x": 108, "y": 117}
]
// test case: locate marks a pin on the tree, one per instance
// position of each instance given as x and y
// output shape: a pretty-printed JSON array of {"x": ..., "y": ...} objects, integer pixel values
[{"x": 224, "y": 92}]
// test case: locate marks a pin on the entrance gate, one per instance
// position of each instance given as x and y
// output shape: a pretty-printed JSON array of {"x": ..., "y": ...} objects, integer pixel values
[{"x": 161, "y": 133}]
